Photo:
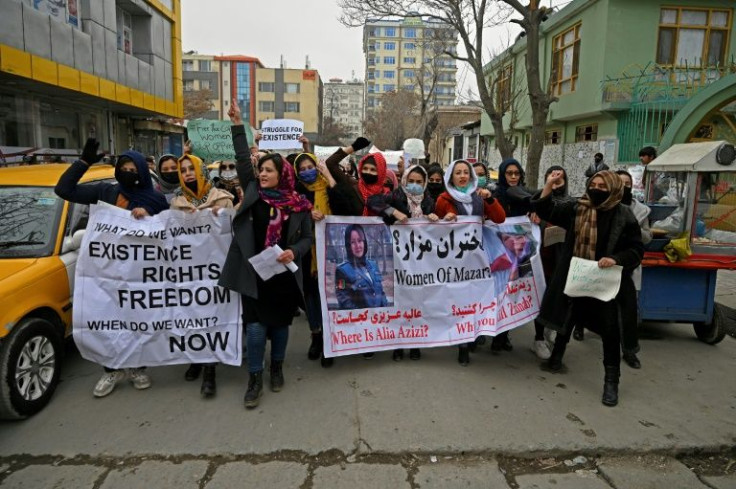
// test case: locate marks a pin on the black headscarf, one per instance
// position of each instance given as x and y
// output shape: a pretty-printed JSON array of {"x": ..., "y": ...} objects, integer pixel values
[
  {"x": 562, "y": 191},
  {"x": 142, "y": 194},
  {"x": 516, "y": 202},
  {"x": 433, "y": 169}
]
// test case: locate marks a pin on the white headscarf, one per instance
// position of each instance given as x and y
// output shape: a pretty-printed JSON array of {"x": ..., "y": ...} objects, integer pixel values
[
  {"x": 465, "y": 198},
  {"x": 414, "y": 201}
]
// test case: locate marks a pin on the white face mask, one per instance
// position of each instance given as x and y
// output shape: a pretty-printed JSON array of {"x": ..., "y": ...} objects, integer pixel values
[{"x": 229, "y": 175}]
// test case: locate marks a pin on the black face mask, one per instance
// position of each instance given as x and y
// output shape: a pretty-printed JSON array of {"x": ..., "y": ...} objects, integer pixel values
[
  {"x": 171, "y": 177},
  {"x": 628, "y": 197},
  {"x": 435, "y": 188},
  {"x": 369, "y": 178},
  {"x": 598, "y": 196},
  {"x": 127, "y": 179},
  {"x": 192, "y": 186}
]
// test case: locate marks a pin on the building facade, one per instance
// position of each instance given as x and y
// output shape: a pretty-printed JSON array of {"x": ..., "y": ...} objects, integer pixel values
[
  {"x": 238, "y": 85},
  {"x": 285, "y": 93},
  {"x": 621, "y": 69},
  {"x": 201, "y": 73},
  {"x": 71, "y": 69},
  {"x": 343, "y": 105},
  {"x": 408, "y": 54}
]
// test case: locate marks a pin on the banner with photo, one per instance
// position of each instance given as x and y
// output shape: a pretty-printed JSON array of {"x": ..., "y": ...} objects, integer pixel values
[
  {"x": 423, "y": 284},
  {"x": 146, "y": 290}
]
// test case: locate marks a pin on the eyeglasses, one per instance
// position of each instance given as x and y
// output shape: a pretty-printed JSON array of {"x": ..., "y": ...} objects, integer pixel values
[{"x": 513, "y": 174}]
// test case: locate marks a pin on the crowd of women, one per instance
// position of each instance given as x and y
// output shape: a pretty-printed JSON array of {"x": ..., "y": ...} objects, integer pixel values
[{"x": 277, "y": 200}]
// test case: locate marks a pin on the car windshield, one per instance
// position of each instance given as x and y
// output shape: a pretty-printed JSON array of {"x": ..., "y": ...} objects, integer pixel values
[{"x": 28, "y": 221}]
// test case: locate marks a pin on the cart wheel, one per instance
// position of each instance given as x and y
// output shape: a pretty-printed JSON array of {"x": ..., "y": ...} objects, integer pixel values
[{"x": 715, "y": 331}]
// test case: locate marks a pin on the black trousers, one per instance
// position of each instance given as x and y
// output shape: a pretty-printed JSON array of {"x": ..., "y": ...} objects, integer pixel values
[
  {"x": 601, "y": 318},
  {"x": 629, "y": 308}
]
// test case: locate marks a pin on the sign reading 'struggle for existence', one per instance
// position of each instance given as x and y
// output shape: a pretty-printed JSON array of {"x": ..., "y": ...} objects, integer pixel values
[
  {"x": 424, "y": 284},
  {"x": 146, "y": 290},
  {"x": 281, "y": 134}
]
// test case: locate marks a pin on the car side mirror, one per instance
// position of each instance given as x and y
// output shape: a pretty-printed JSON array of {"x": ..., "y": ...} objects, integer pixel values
[{"x": 74, "y": 242}]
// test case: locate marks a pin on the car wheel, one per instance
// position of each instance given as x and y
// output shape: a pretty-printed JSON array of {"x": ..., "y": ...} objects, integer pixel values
[
  {"x": 30, "y": 364},
  {"x": 714, "y": 332}
]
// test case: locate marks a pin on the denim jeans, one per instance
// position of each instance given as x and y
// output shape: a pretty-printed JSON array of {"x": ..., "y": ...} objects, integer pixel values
[{"x": 256, "y": 335}]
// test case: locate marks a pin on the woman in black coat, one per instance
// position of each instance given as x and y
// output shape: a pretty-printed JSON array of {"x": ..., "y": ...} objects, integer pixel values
[
  {"x": 598, "y": 228},
  {"x": 271, "y": 213}
]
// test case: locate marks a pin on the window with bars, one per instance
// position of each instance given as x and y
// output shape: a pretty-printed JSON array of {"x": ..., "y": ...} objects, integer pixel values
[
  {"x": 586, "y": 133},
  {"x": 695, "y": 37},
  {"x": 503, "y": 88},
  {"x": 565, "y": 61}
]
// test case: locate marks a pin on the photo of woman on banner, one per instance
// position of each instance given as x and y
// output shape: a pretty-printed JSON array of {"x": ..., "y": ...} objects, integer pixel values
[
  {"x": 358, "y": 280},
  {"x": 518, "y": 248}
]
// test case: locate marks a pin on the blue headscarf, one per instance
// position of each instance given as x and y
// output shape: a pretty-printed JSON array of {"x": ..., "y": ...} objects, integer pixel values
[{"x": 143, "y": 194}]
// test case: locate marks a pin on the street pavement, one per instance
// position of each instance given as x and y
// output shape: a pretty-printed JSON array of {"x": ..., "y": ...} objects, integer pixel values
[{"x": 499, "y": 423}]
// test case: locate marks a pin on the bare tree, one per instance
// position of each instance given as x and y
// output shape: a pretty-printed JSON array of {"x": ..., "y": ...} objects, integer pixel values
[
  {"x": 395, "y": 119},
  {"x": 468, "y": 18},
  {"x": 333, "y": 133},
  {"x": 197, "y": 103}
]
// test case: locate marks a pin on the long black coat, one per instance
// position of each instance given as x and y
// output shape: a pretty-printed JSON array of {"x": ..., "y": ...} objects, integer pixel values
[
  {"x": 384, "y": 204},
  {"x": 623, "y": 245},
  {"x": 237, "y": 273}
]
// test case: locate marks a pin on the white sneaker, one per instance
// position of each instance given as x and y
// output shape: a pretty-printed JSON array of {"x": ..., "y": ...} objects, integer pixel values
[
  {"x": 541, "y": 349},
  {"x": 107, "y": 382},
  {"x": 139, "y": 378}
]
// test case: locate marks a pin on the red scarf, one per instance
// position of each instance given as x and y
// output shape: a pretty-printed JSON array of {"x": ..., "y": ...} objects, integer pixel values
[
  {"x": 375, "y": 188},
  {"x": 284, "y": 200}
]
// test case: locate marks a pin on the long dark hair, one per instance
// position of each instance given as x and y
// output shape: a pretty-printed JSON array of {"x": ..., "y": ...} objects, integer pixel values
[{"x": 348, "y": 232}]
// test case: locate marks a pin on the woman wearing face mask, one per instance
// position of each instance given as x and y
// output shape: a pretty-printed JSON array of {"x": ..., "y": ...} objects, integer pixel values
[
  {"x": 598, "y": 228},
  {"x": 272, "y": 213},
  {"x": 228, "y": 180},
  {"x": 168, "y": 171},
  {"x": 482, "y": 173},
  {"x": 134, "y": 191},
  {"x": 407, "y": 201},
  {"x": 550, "y": 256},
  {"x": 627, "y": 298},
  {"x": 463, "y": 198},
  {"x": 514, "y": 198},
  {"x": 435, "y": 181},
  {"x": 196, "y": 193},
  {"x": 355, "y": 205},
  {"x": 316, "y": 183}
]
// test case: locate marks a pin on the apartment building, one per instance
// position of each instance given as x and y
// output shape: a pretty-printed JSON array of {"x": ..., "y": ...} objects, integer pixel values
[
  {"x": 343, "y": 104},
  {"x": 286, "y": 93},
  {"x": 201, "y": 72},
  {"x": 409, "y": 54}
]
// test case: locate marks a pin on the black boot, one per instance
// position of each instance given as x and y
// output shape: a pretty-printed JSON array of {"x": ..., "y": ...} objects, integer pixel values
[
  {"x": 610, "y": 385},
  {"x": 415, "y": 354},
  {"x": 463, "y": 355},
  {"x": 631, "y": 360},
  {"x": 315, "y": 348},
  {"x": 398, "y": 355},
  {"x": 209, "y": 385},
  {"x": 501, "y": 343},
  {"x": 554, "y": 364},
  {"x": 255, "y": 388},
  {"x": 277, "y": 376},
  {"x": 578, "y": 333},
  {"x": 326, "y": 362},
  {"x": 192, "y": 372}
]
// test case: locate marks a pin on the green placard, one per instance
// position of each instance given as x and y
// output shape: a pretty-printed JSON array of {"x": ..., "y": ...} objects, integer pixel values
[{"x": 212, "y": 140}]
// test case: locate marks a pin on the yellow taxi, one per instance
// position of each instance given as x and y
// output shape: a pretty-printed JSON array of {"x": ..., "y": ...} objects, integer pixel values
[{"x": 40, "y": 235}]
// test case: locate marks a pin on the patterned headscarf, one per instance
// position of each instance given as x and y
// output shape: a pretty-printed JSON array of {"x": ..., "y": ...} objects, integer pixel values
[
  {"x": 586, "y": 220},
  {"x": 415, "y": 201},
  {"x": 283, "y": 199},
  {"x": 204, "y": 184},
  {"x": 375, "y": 188}
]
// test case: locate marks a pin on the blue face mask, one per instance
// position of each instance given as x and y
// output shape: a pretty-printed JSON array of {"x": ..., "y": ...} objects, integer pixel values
[
  {"x": 414, "y": 189},
  {"x": 308, "y": 176},
  {"x": 482, "y": 182}
]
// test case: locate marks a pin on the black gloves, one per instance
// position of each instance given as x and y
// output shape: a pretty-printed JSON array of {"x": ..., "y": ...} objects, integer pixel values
[
  {"x": 89, "y": 153},
  {"x": 360, "y": 143},
  {"x": 518, "y": 194}
]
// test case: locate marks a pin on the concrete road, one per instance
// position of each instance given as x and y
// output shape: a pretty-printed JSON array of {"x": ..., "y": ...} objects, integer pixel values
[{"x": 379, "y": 423}]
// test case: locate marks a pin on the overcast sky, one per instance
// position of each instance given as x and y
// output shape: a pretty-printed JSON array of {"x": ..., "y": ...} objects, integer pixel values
[{"x": 294, "y": 28}]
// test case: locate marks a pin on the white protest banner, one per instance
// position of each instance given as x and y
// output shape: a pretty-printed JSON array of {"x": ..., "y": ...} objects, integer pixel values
[
  {"x": 586, "y": 279},
  {"x": 391, "y": 157},
  {"x": 324, "y": 152},
  {"x": 423, "y": 284},
  {"x": 146, "y": 290},
  {"x": 281, "y": 134}
]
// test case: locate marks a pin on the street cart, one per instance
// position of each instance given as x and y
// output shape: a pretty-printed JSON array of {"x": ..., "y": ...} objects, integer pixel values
[{"x": 691, "y": 191}]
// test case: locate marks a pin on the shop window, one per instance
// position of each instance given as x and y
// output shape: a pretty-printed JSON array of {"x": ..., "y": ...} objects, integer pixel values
[
  {"x": 586, "y": 133},
  {"x": 565, "y": 61}
]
